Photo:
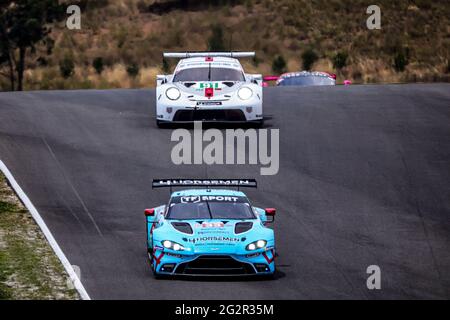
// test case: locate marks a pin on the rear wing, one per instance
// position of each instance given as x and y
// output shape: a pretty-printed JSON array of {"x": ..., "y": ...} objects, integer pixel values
[
  {"x": 207, "y": 183},
  {"x": 183, "y": 55}
]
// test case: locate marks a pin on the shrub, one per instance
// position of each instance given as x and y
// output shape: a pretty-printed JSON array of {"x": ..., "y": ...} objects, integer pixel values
[
  {"x": 215, "y": 41},
  {"x": 279, "y": 65},
  {"x": 400, "y": 62},
  {"x": 340, "y": 60},
  {"x": 98, "y": 65},
  {"x": 142, "y": 6},
  {"x": 165, "y": 66},
  {"x": 309, "y": 57},
  {"x": 66, "y": 67},
  {"x": 133, "y": 70}
]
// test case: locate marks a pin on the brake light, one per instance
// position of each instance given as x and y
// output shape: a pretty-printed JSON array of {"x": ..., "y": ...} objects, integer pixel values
[{"x": 209, "y": 59}]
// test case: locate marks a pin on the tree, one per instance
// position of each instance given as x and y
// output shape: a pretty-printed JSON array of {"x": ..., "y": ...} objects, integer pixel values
[
  {"x": 309, "y": 57},
  {"x": 279, "y": 65},
  {"x": 215, "y": 41},
  {"x": 98, "y": 65},
  {"x": 23, "y": 24},
  {"x": 340, "y": 60}
]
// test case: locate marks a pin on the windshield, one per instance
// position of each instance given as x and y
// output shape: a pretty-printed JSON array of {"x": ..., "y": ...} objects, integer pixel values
[
  {"x": 209, "y": 207},
  {"x": 208, "y": 73},
  {"x": 307, "y": 81}
]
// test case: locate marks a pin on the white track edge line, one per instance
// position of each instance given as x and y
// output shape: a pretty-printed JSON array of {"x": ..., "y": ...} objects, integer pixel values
[{"x": 51, "y": 240}]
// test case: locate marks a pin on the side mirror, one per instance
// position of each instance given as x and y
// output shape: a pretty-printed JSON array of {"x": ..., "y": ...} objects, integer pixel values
[
  {"x": 149, "y": 212},
  {"x": 270, "y": 78},
  {"x": 270, "y": 212},
  {"x": 161, "y": 79}
]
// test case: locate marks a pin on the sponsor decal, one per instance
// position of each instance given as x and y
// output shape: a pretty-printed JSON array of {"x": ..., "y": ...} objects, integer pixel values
[
  {"x": 206, "y": 182},
  {"x": 214, "y": 239},
  {"x": 209, "y": 225},
  {"x": 190, "y": 199},
  {"x": 196, "y": 199},
  {"x": 209, "y": 103}
]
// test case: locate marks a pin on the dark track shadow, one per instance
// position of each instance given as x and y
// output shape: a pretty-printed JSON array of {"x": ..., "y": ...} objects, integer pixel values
[
  {"x": 219, "y": 125},
  {"x": 278, "y": 275}
]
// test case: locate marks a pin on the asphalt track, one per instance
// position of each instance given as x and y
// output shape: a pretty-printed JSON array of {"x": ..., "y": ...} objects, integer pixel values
[{"x": 364, "y": 180}]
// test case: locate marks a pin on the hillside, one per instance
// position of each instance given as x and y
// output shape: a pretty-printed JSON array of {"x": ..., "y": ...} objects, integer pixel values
[{"x": 126, "y": 39}]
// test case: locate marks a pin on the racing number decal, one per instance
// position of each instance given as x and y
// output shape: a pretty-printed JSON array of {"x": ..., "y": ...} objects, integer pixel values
[{"x": 205, "y": 85}]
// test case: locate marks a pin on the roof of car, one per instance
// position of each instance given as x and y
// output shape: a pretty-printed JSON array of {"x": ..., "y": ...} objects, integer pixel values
[
  {"x": 305, "y": 74},
  {"x": 213, "y": 192}
]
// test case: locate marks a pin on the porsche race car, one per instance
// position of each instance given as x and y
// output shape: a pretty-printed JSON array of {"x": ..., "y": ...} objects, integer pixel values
[
  {"x": 209, "y": 232},
  {"x": 209, "y": 87}
]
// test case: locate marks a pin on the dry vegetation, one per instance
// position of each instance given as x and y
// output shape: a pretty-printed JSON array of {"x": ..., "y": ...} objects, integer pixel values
[
  {"x": 130, "y": 35},
  {"x": 29, "y": 269}
]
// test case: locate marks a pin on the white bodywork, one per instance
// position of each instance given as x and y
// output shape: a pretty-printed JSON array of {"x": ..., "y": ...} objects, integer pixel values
[{"x": 226, "y": 94}]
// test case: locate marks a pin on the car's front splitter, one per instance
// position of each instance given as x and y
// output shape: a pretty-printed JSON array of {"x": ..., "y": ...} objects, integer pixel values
[{"x": 168, "y": 263}]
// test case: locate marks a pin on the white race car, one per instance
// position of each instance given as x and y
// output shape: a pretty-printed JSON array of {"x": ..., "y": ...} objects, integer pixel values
[{"x": 209, "y": 87}]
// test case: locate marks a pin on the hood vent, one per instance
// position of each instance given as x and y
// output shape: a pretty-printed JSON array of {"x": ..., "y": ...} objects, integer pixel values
[
  {"x": 228, "y": 83},
  {"x": 189, "y": 84},
  {"x": 183, "y": 227},
  {"x": 241, "y": 227}
]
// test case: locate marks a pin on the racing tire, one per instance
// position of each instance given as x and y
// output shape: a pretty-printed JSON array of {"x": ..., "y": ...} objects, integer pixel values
[
  {"x": 159, "y": 124},
  {"x": 150, "y": 259},
  {"x": 259, "y": 124}
]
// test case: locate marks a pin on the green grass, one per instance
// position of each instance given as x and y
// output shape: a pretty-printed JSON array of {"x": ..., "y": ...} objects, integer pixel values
[{"x": 28, "y": 267}]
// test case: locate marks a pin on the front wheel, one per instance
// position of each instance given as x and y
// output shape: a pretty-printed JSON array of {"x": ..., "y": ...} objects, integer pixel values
[
  {"x": 259, "y": 124},
  {"x": 151, "y": 260}
]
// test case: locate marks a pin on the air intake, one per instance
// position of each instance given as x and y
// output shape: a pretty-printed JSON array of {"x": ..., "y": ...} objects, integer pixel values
[
  {"x": 183, "y": 227},
  {"x": 241, "y": 227}
]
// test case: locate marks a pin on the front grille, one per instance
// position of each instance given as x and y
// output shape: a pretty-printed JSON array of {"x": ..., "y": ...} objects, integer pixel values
[
  {"x": 209, "y": 115},
  {"x": 215, "y": 265}
]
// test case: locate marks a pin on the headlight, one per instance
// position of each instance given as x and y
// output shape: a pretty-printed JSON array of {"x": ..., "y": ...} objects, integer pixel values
[
  {"x": 172, "y": 245},
  {"x": 256, "y": 245},
  {"x": 173, "y": 93},
  {"x": 245, "y": 93}
]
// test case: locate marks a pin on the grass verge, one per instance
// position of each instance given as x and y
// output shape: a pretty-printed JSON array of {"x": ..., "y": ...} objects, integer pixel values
[{"x": 29, "y": 269}]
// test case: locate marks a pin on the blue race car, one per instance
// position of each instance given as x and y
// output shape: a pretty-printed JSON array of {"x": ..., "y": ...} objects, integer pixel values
[{"x": 212, "y": 232}]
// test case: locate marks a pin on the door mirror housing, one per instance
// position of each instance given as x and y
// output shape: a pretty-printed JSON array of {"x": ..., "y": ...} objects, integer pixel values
[
  {"x": 270, "y": 212},
  {"x": 149, "y": 212}
]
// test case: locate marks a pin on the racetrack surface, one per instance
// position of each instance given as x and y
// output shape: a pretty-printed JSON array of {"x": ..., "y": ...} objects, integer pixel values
[{"x": 364, "y": 180}]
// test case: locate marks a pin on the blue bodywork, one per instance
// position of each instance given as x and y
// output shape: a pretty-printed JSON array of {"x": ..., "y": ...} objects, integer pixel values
[{"x": 209, "y": 246}]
